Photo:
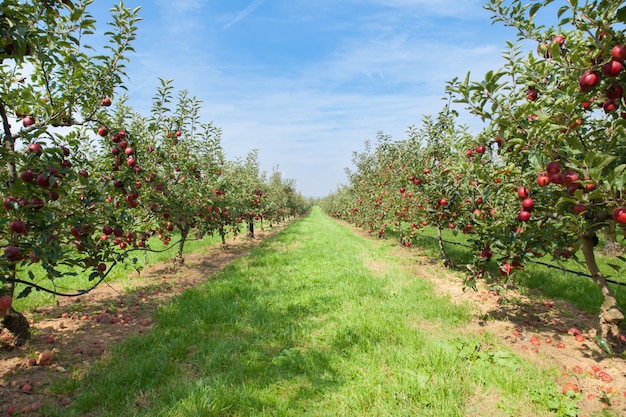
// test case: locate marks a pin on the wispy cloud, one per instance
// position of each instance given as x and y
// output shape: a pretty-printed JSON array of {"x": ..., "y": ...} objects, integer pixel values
[{"x": 244, "y": 13}]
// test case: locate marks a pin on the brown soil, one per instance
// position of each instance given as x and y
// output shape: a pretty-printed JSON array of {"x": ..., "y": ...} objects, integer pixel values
[{"x": 80, "y": 331}]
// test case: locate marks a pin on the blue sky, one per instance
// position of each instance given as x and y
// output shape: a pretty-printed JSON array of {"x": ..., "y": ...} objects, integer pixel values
[{"x": 308, "y": 81}]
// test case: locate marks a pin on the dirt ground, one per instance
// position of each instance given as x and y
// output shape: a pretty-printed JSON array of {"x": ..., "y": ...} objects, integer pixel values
[{"x": 80, "y": 331}]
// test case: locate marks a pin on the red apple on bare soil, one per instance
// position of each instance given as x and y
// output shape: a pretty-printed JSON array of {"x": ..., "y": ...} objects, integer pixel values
[
  {"x": 588, "y": 81},
  {"x": 106, "y": 101},
  {"x": 619, "y": 215},
  {"x": 612, "y": 68}
]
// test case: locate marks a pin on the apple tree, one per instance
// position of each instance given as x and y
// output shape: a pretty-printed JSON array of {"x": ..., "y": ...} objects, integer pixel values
[
  {"x": 53, "y": 88},
  {"x": 558, "y": 110}
]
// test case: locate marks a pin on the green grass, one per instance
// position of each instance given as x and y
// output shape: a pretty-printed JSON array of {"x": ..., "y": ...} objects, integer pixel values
[
  {"x": 316, "y": 321},
  {"x": 552, "y": 283},
  {"x": 71, "y": 283}
]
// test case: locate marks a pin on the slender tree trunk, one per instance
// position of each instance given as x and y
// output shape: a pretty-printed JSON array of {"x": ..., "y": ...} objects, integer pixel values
[
  {"x": 610, "y": 313},
  {"x": 13, "y": 321},
  {"x": 223, "y": 237},
  {"x": 179, "y": 260},
  {"x": 446, "y": 259},
  {"x": 251, "y": 229}
]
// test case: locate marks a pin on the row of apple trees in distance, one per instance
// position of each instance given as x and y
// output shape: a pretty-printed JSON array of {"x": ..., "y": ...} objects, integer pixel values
[
  {"x": 546, "y": 174},
  {"x": 85, "y": 178}
]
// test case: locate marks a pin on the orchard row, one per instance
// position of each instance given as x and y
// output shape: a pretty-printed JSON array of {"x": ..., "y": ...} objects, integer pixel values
[
  {"x": 544, "y": 176},
  {"x": 86, "y": 178}
]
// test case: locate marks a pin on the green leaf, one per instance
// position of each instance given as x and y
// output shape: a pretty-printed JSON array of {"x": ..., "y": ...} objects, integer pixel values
[{"x": 25, "y": 292}]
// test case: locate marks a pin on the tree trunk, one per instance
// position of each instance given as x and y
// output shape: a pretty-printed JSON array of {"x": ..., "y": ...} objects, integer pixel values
[
  {"x": 251, "y": 229},
  {"x": 610, "y": 313},
  {"x": 446, "y": 259},
  {"x": 17, "y": 325},
  {"x": 179, "y": 260},
  {"x": 611, "y": 247},
  {"x": 223, "y": 237}
]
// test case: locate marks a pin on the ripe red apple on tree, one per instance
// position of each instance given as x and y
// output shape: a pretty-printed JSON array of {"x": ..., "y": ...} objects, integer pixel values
[
  {"x": 27, "y": 175},
  {"x": 579, "y": 208},
  {"x": 588, "y": 81},
  {"x": 528, "y": 203},
  {"x": 619, "y": 52},
  {"x": 106, "y": 101},
  {"x": 35, "y": 148},
  {"x": 615, "y": 92},
  {"x": 12, "y": 253},
  {"x": 543, "y": 180},
  {"x": 531, "y": 94},
  {"x": 103, "y": 131},
  {"x": 619, "y": 215},
  {"x": 18, "y": 226},
  {"x": 5, "y": 302},
  {"x": 524, "y": 215},
  {"x": 610, "y": 106},
  {"x": 523, "y": 192},
  {"x": 553, "y": 167},
  {"x": 28, "y": 121},
  {"x": 612, "y": 68}
]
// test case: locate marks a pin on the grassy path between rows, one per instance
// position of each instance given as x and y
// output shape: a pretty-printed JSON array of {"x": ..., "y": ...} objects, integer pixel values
[{"x": 316, "y": 321}]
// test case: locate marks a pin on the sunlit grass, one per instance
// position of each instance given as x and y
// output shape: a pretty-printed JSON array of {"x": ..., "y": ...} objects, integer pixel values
[{"x": 316, "y": 321}]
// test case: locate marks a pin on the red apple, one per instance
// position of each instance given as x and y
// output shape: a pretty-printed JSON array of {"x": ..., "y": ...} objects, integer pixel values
[
  {"x": 18, "y": 226},
  {"x": 102, "y": 267},
  {"x": 106, "y": 101},
  {"x": 13, "y": 253},
  {"x": 443, "y": 202},
  {"x": 481, "y": 149},
  {"x": 610, "y": 106},
  {"x": 103, "y": 131},
  {"x": 619, "y": 215},
  {"x": 543, "y": 180},
  {"x": 129, "y": 151},
  {"x": 612, "y": 68},
  {"x": 524, "y": 215},
  {"x": 43, "y": 180},
  {"x": 522, "y": 192},
  {"x": 130, "y": 161},
  {"x": 28, "y": 121},
  {"x": 5, "y": 302},
  {"x": 560, "y": 39},
  {"x": 588, "y": 81},
  {"x": 531, "y": 94},
  {"x": 506, "y": 269},
  {"x": 35, "y": 148},
  {"x": 615, "y": 92},
  {"x": 579, "y": 208},
  {"x": 27, "y": 175},
  {"x": 619, "y": 52},
  {"x": 107, "y": 230},
  {"x": 528, "y": 203},
  {"x": 553, "y": 167}
]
